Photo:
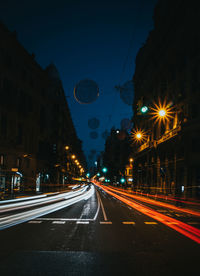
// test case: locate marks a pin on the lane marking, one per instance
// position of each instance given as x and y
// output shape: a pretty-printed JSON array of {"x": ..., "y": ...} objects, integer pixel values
[
  {"x": 34, "y": 221},
  {"x": 128, "y": 222},
  {"x": 185, "y": 229},
  {"x": 150, "y": 222},
  {"x": 58, "y": 222},
  {"x": 98, "y": 208},
  {"x": 82, "y": 222},
  {"x": 65, "y": 219},
  {"x": 105, "y": 222},
  {"x": 102, "y": 207}
]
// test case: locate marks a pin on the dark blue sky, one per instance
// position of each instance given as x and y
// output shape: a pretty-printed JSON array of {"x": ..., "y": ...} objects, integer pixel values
[{"x": 98, "y": 40}]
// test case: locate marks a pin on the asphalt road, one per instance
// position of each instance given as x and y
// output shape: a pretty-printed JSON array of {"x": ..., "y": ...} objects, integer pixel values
[{"x": 98, "y": 236}]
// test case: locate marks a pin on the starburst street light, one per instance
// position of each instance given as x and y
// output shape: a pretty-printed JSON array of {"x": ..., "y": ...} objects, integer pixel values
[
  {"x": 138, "y": 135},
  {"x": 162, "y": 112}
]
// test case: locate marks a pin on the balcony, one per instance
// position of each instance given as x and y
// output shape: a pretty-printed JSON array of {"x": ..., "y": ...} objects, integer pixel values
[
  {"x": 168, "y": 135},
  {"x": 146, "y": 145}
]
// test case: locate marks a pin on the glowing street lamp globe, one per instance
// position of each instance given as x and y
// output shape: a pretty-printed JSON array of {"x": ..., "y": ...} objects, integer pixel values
[
  {"x": 138, "y": 135},
  {"x": 162, "y": 112}
]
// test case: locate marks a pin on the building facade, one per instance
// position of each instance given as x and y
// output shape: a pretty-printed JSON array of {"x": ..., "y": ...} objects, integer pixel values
[
  {"x": 116, "y": 155},
  {"x": 35, "y": 122},
  {"x": 167, "y": 76}
]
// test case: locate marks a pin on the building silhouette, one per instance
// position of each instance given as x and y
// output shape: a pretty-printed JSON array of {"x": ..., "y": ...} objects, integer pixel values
[
  {"x": 35, "y": 122},
  {"x": 168, "y": 70}
]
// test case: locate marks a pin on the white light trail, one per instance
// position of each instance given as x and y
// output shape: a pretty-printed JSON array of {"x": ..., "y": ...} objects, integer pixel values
[
  {"x": 12, "y": 220},
  {"x": 32, "y": 203}
]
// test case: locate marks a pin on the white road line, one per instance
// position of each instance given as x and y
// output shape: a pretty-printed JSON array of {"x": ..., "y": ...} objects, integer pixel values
[
  {"x": 105, "y": 222},
  {"x": 58, "y": 222},
  {"x": 103, "y": 210},
  {"x": 150, "y": 222},
  {"x": 82, "y": 222},
  {"x": 34, "y": 221},
  {"x": 97, "y": 212},
  {"x": 65, "y": 219},
  {"x": 128, "y": 222}
]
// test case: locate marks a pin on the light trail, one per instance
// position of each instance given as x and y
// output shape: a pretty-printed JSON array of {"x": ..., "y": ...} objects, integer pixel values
[
  {"x": 22, "y": 198},
  {"x": 158, "y": 203},
  {"x": 174, "y": 199},
  {"x": 102, "y": 207},
  {"x": 35, "y": 202},
  {"x": 98, "y": 208},
  {"x": 12, "y": 220},
  {"x": 183, "y": 228}
]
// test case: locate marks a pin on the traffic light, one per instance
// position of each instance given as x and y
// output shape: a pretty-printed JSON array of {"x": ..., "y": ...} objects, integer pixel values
[
  {"x": 104, "y": 170},
  {"x": 142, "y": 106},
  {"x": 144, "y": 109}
]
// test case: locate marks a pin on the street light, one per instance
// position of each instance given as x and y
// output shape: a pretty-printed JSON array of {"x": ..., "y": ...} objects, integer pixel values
[
  {"x": 73, "y": 156},
  {"x": 162, "y": 112},
  {"x": 138, "y": 135},
  {"x": 131, "y": 160},
  {"x": 67, "y": 147}
]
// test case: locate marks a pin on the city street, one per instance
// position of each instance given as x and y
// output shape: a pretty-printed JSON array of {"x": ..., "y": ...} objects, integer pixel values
[{"x": 100, "y": 235}]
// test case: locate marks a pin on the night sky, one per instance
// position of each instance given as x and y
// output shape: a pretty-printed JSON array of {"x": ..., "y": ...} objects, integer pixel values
[{"x": 96, "y": 40}]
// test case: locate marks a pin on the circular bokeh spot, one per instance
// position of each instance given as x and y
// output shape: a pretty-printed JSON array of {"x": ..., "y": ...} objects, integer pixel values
[
  {"x": 126, "y": 124},
  {"x": 93, "y": 123},
  {"x": 127, "y": 93},
  {"x": 93, "y": 135},
  {"x": 86, "y": 91}
]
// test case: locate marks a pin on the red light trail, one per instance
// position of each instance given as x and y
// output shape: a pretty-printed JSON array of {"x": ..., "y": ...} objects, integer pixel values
[
  {"x": 181, "y": 227},
  {"x": 158, "y": 203}
]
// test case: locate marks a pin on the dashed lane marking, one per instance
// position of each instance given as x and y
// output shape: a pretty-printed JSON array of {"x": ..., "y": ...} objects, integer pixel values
[
  {"x": 58, "y": 222},
  {"x": 128, "y": 222},
  {"x": 34, "y": 221},
  {"x": 82, "y": 222},
  {"x": 105, "y": 222},
  {"x": 150, "y": 222}
]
